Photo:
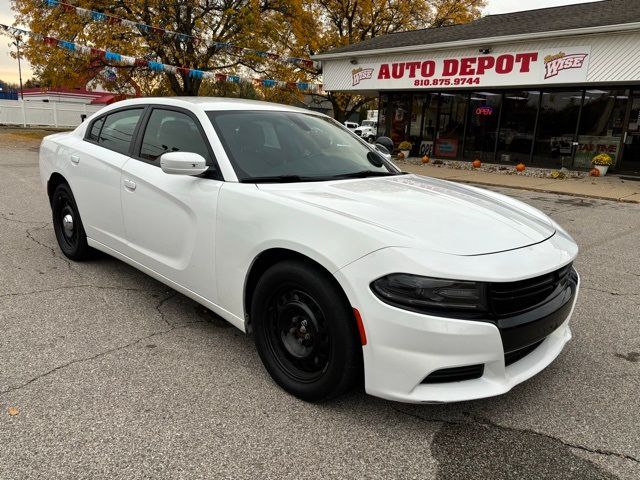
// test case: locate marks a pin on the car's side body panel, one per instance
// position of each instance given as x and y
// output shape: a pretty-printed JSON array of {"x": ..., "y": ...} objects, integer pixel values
[
  {"x": 252, "y": 221},
  {"x": 170, "y": 223}
]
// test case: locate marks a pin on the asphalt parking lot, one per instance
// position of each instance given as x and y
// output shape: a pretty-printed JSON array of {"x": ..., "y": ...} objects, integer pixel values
[{"x": 106, "y": 373}]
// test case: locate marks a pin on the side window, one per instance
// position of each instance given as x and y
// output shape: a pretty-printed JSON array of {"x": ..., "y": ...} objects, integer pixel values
[
  {"x": 118, "y": 129},
  {"x": 95, "y": 130},
  {"x": 170, "y": 131}
]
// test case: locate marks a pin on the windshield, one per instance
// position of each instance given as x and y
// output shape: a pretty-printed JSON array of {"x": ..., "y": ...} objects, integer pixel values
[
  {"x": 368, "y": 123},
  {"x": 288, "y": 146}
]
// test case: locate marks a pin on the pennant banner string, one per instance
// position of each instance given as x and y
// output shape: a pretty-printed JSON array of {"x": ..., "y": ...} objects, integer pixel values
[
  {"x": 142, "y": 27},
  {"x": 157, "y": 66}
]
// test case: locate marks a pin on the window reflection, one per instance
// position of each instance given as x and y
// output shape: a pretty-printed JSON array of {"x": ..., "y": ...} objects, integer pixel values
[
  {"x": 601, "y": 125},
  {"x": 450, "y": 125},
  {"x": 559, "y": 111},
  {"x": 484, "y": 110},
  {"x": 519, "y": 111}
]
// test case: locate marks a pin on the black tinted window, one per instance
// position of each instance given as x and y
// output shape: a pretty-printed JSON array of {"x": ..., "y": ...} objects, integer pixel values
[
  {"x": 95, "y": 129},
  {"x": 169, "y": 131},
  {"x": 118, "y": 129},
  {"x": 272, "y": 143}
]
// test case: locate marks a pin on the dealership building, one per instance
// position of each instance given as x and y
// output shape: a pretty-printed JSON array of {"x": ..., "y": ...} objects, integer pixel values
[{"x": 551, "y": 87}]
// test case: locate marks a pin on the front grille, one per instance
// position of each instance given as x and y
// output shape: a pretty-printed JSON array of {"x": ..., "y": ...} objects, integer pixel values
[
  {"x": 511, "y": 298},
  {"x": 513, "y": 357},
  {"x": 457, "y": 374}
]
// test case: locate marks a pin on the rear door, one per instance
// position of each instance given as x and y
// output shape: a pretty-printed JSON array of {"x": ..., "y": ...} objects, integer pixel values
[
  {"x": 97, "y": 161},
  {"x": 170, "y": 219}
]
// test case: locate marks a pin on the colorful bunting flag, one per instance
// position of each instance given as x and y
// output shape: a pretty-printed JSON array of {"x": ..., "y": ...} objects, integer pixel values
[
  {"x": 149, "y": 29},
  {"x": 156, "y": 66}
]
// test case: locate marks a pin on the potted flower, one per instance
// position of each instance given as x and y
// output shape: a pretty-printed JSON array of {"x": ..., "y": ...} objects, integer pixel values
[
  {"x": 602, "y": 162},
  {"x": 405, "y": 148}
]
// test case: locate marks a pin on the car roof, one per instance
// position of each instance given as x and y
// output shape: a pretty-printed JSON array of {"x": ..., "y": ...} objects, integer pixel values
[{"x": 212, "y": 103}]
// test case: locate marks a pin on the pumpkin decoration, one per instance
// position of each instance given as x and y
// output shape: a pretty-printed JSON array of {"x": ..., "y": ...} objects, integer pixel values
[
  {"x": 520, "y": 167},
  {"x": 594, "y": 172},
  {"x": 476, "y": 163},
  {"x": 400, "y": 156},
  {"x": 425, "y": 159}
]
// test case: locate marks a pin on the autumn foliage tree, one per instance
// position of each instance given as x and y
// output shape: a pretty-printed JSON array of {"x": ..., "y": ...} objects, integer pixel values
[
  {"x": 247, "y": 23},
  {"x": 296, "y": 28}
]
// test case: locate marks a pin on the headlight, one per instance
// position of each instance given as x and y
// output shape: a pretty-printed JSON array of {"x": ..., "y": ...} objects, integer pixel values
[{"x": 434, "y": 296}]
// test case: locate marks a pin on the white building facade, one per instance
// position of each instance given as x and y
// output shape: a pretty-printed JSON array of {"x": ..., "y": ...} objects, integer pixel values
[{"x": 508, "y": 88}]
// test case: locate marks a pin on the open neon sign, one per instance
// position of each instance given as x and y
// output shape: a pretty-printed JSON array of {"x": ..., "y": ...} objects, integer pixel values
[{"x": 485, "y": 110}]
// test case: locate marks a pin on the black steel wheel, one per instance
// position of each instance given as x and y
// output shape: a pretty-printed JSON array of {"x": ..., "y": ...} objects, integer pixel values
[
  {"x": 305, "y": 332},
  {"x": 67, "y": 224}
]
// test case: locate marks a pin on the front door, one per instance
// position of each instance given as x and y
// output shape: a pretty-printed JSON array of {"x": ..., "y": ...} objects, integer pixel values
[
  {"x": 170, "y": 220},
  {"x": 631, "y": 144}
]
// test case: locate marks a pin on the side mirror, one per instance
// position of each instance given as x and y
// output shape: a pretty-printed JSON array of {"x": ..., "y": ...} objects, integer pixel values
[
  {"x": 183, "y": 163},
  {"x": 386, "y": 143}
]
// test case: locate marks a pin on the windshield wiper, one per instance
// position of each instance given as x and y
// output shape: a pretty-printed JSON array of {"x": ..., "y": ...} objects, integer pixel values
[
  {"x": 365, "y": 174},
  {"x": 280, "y": 179}
]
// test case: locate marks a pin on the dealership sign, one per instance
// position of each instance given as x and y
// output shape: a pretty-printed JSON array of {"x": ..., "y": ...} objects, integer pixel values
[{"x": 539, "y": 67}]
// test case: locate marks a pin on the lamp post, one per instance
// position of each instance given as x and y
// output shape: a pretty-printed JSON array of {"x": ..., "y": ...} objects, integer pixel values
[{"x": 17, "y": 44}]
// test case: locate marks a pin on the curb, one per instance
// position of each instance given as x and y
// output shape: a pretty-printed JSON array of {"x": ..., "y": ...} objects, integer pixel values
[{"x": 541, "y": 190}]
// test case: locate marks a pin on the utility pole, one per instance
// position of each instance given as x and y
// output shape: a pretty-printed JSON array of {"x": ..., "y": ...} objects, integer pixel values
[{"x": 17, "y": 44}]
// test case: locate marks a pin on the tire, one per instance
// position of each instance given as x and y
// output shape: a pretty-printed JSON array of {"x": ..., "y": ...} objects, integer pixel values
[
  {"x": 67, "y": 224},
  {"x": 371, "y": 139},
  {"x": 316, "y": 360}
]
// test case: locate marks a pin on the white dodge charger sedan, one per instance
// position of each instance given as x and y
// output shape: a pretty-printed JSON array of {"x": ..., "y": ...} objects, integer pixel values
[{"x": 344, "y": 268}]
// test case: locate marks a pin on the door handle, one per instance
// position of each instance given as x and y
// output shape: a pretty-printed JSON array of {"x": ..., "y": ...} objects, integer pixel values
[
  {"x": 130, "y": 184},
  {"x": 75, "y": 158}
]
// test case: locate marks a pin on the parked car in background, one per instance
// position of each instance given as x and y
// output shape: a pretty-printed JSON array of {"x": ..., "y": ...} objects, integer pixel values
[
  {"x": 368, "y": 130},
  {"x": 351, "y": 125},
  {"x": 287, "y": 225}
]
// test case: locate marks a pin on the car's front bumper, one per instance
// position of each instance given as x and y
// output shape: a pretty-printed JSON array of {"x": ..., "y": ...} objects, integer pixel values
[{"x": 404, "y": 347}]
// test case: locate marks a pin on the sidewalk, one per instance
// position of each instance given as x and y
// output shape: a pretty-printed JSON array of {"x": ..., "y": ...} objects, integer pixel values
[{"x": 610, "y": 187}]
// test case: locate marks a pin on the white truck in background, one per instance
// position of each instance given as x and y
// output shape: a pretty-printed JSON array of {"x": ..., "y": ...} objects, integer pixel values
[{"x": 368, "y": 130}]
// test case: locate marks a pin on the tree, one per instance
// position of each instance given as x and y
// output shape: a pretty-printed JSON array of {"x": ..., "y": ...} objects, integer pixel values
[
  {"x": 248, "y": 23},
  {"x": 343, "y": 22}
]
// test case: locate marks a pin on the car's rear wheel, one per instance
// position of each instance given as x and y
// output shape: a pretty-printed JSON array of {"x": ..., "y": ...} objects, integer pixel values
[
  {"x": 305, "y": 332},
  {"x": 67, "y": 224}
]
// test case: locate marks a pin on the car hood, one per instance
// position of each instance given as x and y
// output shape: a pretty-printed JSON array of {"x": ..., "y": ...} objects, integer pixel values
[{"x": 426, "y": 213}]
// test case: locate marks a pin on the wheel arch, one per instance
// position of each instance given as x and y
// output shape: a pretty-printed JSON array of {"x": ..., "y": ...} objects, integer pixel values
[
  {"x": 267, "y": 258},
  {"x": 54, "y": 180}
]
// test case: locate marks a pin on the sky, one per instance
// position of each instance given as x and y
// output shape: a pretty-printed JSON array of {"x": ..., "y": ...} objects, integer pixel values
[{"x": 9, "y": 66}]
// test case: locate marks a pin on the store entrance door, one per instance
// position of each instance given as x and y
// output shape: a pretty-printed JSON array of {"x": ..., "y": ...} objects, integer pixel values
[{"x": 631, "y": 143}]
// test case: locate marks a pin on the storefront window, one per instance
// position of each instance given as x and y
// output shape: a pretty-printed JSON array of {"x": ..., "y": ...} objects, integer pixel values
[
  {"x": 417, "y": 115},
  {"x": 557, "y": 123},
  {"x": 383, "y": 106},
  {"x": 400, "y": 117},
  {"x": 601, "y": 125},
  {"x": 452, "y": 112},
  {"x": 484, "y": 110},
  {"x": 424, "y": 113},
  {"x": 516, "y": 126}
]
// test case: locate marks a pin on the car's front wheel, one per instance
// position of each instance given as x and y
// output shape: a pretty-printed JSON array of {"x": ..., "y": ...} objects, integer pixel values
[
  {"x": 305, "y": 332},
  {"x": 68, "y": 225}
]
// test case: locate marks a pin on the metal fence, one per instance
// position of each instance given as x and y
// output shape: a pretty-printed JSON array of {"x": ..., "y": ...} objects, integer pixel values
[{"x": 49, "y": 114}]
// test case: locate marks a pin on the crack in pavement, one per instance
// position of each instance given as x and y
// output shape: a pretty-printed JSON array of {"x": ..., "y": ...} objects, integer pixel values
[
  {"x": 615, "y": 294},
  {"x": 172, "y": 327},
  {"x": 71, "y": 287},
  {"x": 53, "y": 251},
  {"x": 161, "y": 303},
  {"x": 6, "y": 217},
  {"x": 487, "y": 422}
]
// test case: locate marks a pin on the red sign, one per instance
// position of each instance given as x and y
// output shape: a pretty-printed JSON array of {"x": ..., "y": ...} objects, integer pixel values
[
  {"x": 484, "y": 110},
  {"x": 451, "y": 67}
]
